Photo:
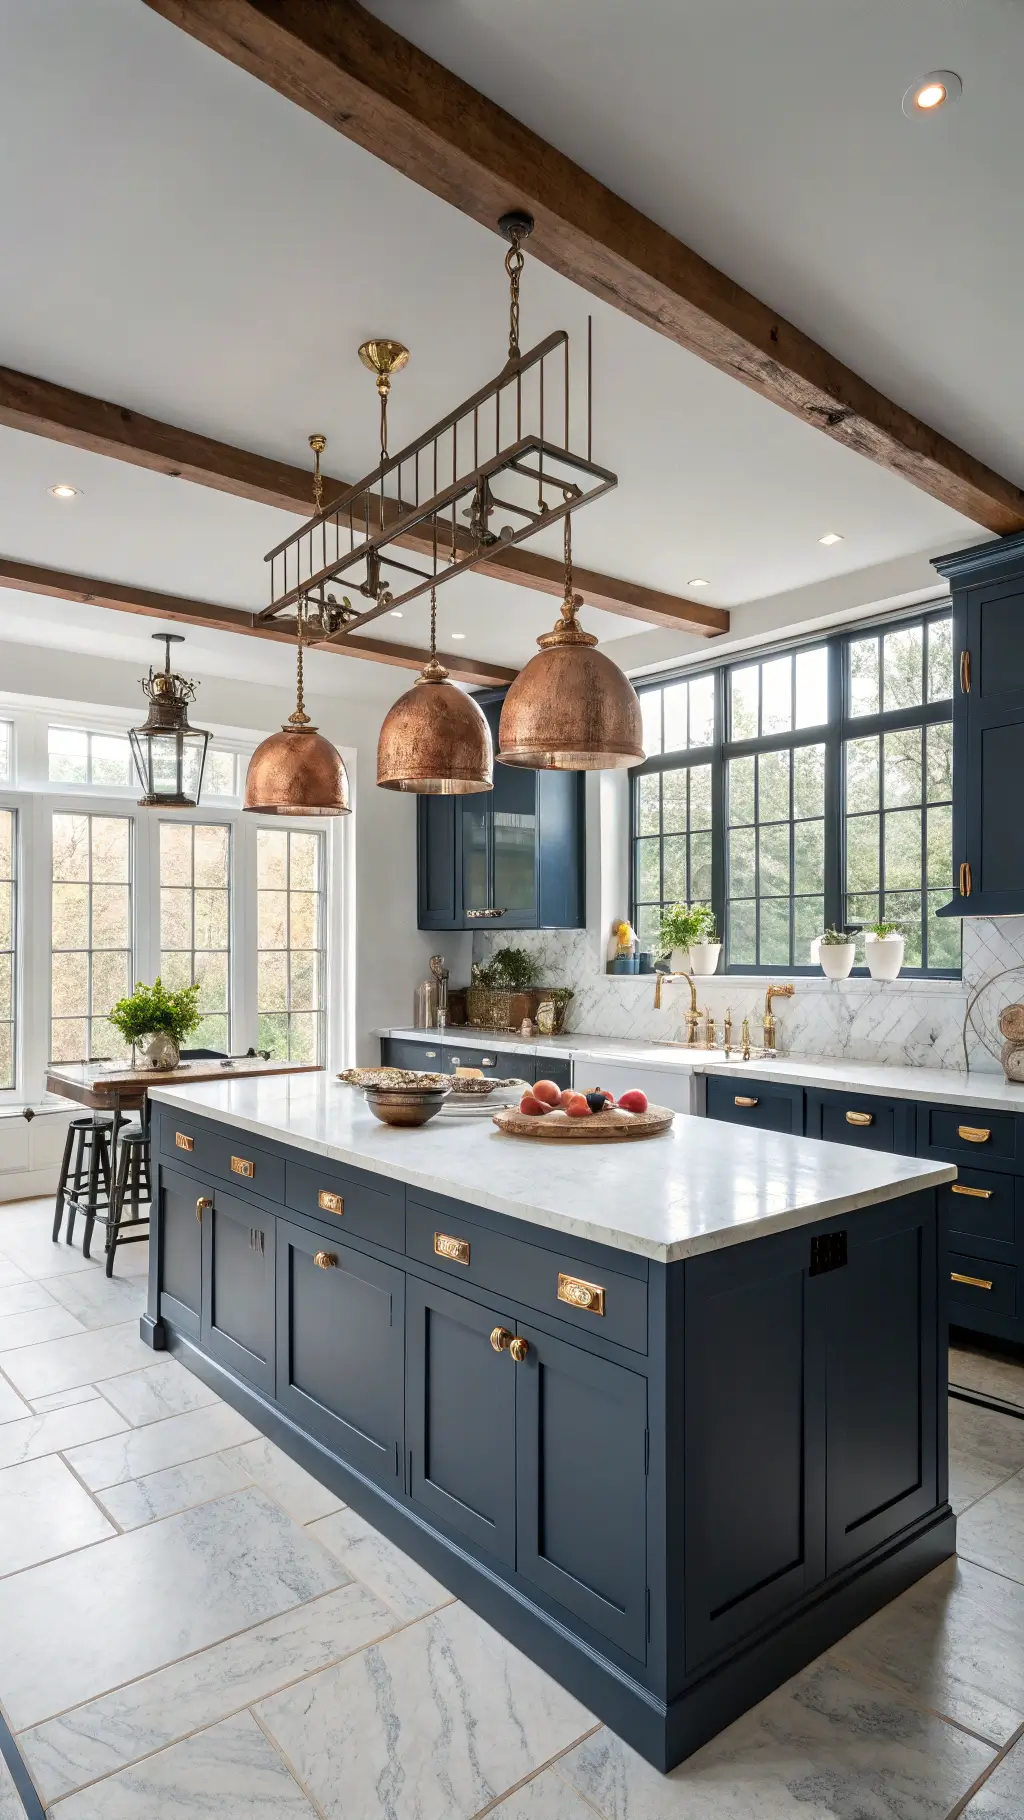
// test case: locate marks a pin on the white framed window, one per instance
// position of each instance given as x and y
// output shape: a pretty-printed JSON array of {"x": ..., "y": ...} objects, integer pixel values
[
  {"x": 91, "y": 932},
  {"x": 8, "y": 947},
  {"x": 291, "y": 942},
  {"x": 195, "y": 921},
  {"x": 77, "y": 756}
]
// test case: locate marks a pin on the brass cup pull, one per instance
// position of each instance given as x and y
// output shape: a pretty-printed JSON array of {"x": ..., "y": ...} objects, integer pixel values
[
  {"x": 957, "y": 1276},
  {"x": 578, "y": 1294},
  {"x": 183, "y": 1142},
  {"x": 203, "y": 1201},
  {"x": 519, "y": 1350},
  {"x": 501, "y": 1339},
  {"x": 977, "y": 1194},
  {"x": 974, "y": 1134},
  {"x": 330, "y": 1203},
  {"x": 241, "y": 1165},
  {"x": 860, "y": 1118},
  {"x": 455, "y": 1250},
  {"x": 744, "y": 1099},
  {"x": 324, "y": 1260},
  {"x": 965, "y": 672}
]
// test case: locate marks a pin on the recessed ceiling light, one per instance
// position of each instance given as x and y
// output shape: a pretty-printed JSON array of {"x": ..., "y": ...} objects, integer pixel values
[
  {"x": 831, "y": 537},
  {"x": 932, "y": 93},
  {"x": 458, "y": 634},
  {"x": 63, "y": 490},
  {"x": 697, "y": 581}
]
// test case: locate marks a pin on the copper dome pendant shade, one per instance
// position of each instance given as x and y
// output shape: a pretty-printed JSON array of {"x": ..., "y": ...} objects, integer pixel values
[
  {"x": 297, "y": 771},
  {"x": 435, "y": 740},
  {"x": 571, "y": 708}
]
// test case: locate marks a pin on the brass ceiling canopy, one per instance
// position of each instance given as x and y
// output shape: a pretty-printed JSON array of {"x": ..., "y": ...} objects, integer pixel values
[
  {"x": 435, "y": 740},
  {"x": 571, "y": 708},
  {"x": 297, "y": 771},
  {"x": 384, "y": 357}
]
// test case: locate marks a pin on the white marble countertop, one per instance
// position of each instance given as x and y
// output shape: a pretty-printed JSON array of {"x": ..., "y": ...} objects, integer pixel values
[
  {"x": 701, "y": 1186},
  {"x": 942, "y": 1086}
]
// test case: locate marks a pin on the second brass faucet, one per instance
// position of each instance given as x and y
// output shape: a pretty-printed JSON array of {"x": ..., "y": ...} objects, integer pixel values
[
  {"x": 693, "y": 1015},
  {"x": 768, "y": 1021}
]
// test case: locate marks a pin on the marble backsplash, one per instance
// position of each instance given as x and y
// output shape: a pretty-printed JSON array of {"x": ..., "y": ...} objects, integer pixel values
[{"x": 915, "y": 1021}]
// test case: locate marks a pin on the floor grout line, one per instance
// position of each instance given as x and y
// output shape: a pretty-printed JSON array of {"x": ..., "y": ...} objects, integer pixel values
[
  {"x": 288, "y": 1764},
  {"x": 981, "y": 1780},
  {"x": 542, "y": 1768},
  {"x": 895, "y": 1689},
  {"x": 90, "y": 1494},
  {"x": 989, "y": 1569}
]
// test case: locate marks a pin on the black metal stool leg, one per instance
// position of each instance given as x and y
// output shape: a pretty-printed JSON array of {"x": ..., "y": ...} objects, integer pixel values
[
  {"x": 76, "y": 1182},
  {"x": 98, "y": 1162},
  {"x": 62, "y": 1182},
  {"x": 124, "y": 1162}
]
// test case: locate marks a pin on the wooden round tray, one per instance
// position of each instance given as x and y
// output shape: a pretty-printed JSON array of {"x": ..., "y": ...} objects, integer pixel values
[{"x": 601, "y": 1127}]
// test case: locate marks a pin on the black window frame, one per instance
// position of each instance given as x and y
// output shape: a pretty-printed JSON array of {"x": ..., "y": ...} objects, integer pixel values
[{"x": 841, "y": 725}]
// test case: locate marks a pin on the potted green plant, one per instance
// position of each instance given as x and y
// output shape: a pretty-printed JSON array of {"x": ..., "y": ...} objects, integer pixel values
[
  {"x": 688, "y": 937},
  {"x": 495, "y": 984},
  {"x": 883, "y": 949},
  {"x": 160, "y": 1019},
  {"x": 836, "y": 950},
  {"x": 705, "y": 947}
]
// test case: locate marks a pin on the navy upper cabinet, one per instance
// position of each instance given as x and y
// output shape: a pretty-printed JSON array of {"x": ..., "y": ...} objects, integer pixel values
[
  {"x": 988, "y": 727},
  {"x": 508, "y": 858}
]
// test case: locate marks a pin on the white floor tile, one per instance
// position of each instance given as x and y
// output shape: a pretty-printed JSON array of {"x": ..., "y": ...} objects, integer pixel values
[
  {"x": 137, "y": 1451},
  {"x": 83, "y": 1358},
  {"x": 12, "y": 1407},
  {"x": 35, "y": 1325},
  {"x": 9, "y": 1271},
  {"x": 985, "y": 1448},
  {"x": 160, "y": 1494},
  {"x": 432, "y": 1724},
  {"x": 11, "y": 1807},
  {"x": 230, "y": 1772},
  {"x": 987, "y": 1372},
  {"x": 302, "y": 1496},
  {"x": 991, "y": 1532},
  {"x": 17, "y": 1298},
  {"x": 145, "y": 1716},
  {"x": 160, "y": 1389},
  {"x": 79, "y": 1627},
  {"x": 386, "y": 1570},
  {"x": 1002, "y": 1796},
  {"x": 547, "y": 1797},
  {"x": 60, "y": 1429},
  {"x": 97, "y": 1300},
  {"x": 65, "y": 1399},
  {"x": 44, "y": 1512}
]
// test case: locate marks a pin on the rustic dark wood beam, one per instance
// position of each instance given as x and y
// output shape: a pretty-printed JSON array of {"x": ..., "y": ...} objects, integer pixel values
[
  {"x": 30, "y": 578},
  {"x": 43, "y": 409},
  {"x": 372, "y": 85}
]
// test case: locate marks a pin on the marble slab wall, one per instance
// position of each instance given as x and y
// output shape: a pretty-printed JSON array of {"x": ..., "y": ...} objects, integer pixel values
[{"x": 914, "y": 1021}]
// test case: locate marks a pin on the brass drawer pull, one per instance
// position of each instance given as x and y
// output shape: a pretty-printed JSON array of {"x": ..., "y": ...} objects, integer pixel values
[
  {"x": 589, "y": 1296},
  {"x": 203, "y": 1201},
  {"x": 501, "y": 1339},
  {"x": 978, "y": 1194},
  {"x": 183, "y": 1142},
  {"x": 331, "y": 1203},
  {"x": 974, "y": 1134},
  {"x": 860, "y": 1118},
  {"x": 957, "y": 1276},
  {"x": 488, "y": 1061},
  {"x": 519, "y": 1350},
  {"x": 241, "y": 1166},
  {"x": 965, "y": 878},
  {"x": 744, "y": 1099},
  {"x": 324, "y": 1260},
  {"x": 455, "y": 1250},
  {"x": 965, "y": 672}
]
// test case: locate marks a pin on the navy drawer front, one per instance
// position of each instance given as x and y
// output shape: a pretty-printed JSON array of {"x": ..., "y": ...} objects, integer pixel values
[
  {"x": 547, "y": 1068},
  {"x": 498, "y": 1064},
  {"x": 587, "y": 1296},
  {"x": 864, "y": 1120},
  {"x": 979, "y": 1209},
  {"x": 980, "y": 1286},
  {"x": 406, "y": 1052},
  {"x": 766, "y": 1105},
  {"x": 967, "y": 1134},
  {"x": 373, "y": 1210},
  {"x": 231, "y": 1155}
]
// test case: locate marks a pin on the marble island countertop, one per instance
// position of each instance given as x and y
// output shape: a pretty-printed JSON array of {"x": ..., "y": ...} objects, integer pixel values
[
  {"x": 700, "y": 1187},
  {"x": 941, "y": 1086}
]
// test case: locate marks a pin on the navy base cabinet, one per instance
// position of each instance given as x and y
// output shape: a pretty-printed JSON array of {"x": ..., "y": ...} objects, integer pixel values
[{"x": 671, "y": 1495}]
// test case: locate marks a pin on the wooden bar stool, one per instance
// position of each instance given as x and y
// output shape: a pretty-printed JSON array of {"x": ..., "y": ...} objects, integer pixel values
[
  {"x": 132, "y": 1189},
  {"x": 85, "y": 1163}
]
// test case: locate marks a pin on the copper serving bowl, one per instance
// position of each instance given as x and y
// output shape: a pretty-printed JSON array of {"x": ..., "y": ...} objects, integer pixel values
[{"x": 405, "y": 1105}]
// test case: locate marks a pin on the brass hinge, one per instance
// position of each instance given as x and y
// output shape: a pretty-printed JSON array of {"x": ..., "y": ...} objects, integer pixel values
[{"x": 965, "y": 672}]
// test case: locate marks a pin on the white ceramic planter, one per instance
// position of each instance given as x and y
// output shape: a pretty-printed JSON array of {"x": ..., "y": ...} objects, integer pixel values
[
  {"x": 704, "y": 957},
  {"x": 679, "y": 960},
  {"x": 884, "y": 955},
  {"x": 836, "y": 959}
]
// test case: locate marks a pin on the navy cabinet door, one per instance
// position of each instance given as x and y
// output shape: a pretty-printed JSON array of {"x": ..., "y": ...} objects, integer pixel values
[
  {"x": 436, "y": 863},
  {"x": 881, "y": 1411},
  {"x": 561, "y": 849},
  {"x": 238, "y": 1288},
  {"x": 995, "y": 746},
  {"x": 181, "y": 1252},
  {"x": 340, "y": 1348},
  {"x": 755, "y": 1439},
  {"x": 581, "y": 1493},
  {"x": 460, "y": 1411},
  {"x": 426, "y": 1053}
]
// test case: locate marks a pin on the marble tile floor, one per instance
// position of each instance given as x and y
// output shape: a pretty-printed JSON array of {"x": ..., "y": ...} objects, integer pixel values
[{"x": 195, "y": 1629}]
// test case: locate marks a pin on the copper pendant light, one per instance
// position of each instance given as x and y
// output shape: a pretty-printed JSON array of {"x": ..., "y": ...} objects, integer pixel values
[
  {"x": 297, "y": 771},
  {"x": 435, "y": 740},
  {"x": 571, "y": 708}
]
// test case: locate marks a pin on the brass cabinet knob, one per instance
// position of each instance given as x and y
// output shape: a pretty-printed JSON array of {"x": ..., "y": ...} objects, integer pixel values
[
  {"x": 519, "y": 1350},
  {"x": 501, "y": 1339},
  {"x": 324, "y": 1260},
  {"x": 203, "y": 1201}
]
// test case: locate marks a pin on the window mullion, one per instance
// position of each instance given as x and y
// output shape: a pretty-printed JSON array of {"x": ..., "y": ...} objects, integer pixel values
[
  {"x": 834, "y": 880},
  {"x": 719, "y": 809}
]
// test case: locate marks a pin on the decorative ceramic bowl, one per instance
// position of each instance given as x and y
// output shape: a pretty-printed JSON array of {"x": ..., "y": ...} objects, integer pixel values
[{"x": 405, "y": 1105}]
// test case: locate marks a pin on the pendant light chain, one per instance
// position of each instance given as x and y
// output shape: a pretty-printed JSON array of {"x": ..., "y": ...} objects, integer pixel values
[
  {"x": 433, "y": 623},
  {"x": 300, "y": 718},
  {"x": 383, "y": 387},
  {"x": 318, "y": 444},
  {"x": 514, "y": 262}
]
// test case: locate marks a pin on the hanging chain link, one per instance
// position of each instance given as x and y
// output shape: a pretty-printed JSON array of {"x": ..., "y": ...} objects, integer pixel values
[
  {"x": 514, "y": 262},
  {"x": 383, "y": 387},
  {"x": 433, "y": 622},
  {"x": 300, "y": 706},
  {"x": 318, "y": 444},
  {"x": 568, "y": 604}
]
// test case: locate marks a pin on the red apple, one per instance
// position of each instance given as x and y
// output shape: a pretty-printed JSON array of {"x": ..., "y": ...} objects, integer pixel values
[
  {"x": 577, "y": 1107},
  {"x": 548, "y": 1092},
  {"x": 633, "y": 1101},
  {"x": 564, "y": 1097},
  {"x": 531, "y": 1105}
]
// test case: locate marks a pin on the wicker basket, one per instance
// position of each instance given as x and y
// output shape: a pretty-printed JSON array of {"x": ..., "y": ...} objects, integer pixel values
[{"x": 488, "y": 1008}]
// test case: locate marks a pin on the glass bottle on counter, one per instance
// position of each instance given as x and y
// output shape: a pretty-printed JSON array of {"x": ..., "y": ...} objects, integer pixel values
[{"x": 424, "y": 1005}]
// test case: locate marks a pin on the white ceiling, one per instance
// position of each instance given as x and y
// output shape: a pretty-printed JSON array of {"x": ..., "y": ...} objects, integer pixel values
[{"x": 180, "y": 239}]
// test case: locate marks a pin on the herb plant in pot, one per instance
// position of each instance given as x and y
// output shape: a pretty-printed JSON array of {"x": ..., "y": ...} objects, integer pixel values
[
  {"x": 705, "y": 947},
  {"x": 160, "y": 1019},
  {"x": 688, "y": 938},
  {"x": 836, "y": 951},
  {"x": 883, "y": 950}
]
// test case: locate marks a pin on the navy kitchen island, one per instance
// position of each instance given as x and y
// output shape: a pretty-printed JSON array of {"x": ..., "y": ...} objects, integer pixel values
[{"x": 669, "y": 1415}]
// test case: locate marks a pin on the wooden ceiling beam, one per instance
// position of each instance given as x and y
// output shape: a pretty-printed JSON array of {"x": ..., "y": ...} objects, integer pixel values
[
  {"x": 367, "y": 82},
  {"x": 73, "y": 418},
  {"x": 30, "y": 578}
]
